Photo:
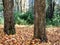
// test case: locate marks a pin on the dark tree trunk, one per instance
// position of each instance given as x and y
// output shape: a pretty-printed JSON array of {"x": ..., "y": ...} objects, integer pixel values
[
  {"x": 50, "y": 9},
  {"x": 39, "y": 24},
  {"x": 9, "y": 25}
]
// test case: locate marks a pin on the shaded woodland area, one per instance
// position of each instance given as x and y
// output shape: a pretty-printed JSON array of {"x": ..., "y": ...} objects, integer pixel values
[{"x": 29, "y": 22}]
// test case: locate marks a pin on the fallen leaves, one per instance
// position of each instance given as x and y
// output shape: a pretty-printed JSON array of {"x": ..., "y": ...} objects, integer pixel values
[{"x": 24, "y": 35}]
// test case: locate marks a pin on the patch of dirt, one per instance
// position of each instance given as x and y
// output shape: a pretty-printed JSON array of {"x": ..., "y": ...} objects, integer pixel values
[{"x": 24, "y": 35}]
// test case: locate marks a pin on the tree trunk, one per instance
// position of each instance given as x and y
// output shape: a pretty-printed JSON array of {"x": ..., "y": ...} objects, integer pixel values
[
  {"x": 20, "y": 6},
  {"x": 39, "y": 24},
  {"x": 9, "y": 25},
  {"x": 50, "y": 9},
  {"x": 23, "y": 6}
]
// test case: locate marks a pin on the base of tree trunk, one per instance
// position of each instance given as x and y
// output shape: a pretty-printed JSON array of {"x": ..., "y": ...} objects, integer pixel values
[
  {"x": 9, "y": 32},
  {"x": 38, "y": 40},
  {"x": 44, "y": 39}
]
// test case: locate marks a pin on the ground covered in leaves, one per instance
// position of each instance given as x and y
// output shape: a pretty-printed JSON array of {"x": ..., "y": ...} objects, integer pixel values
[{"x": 24, "y": 35}]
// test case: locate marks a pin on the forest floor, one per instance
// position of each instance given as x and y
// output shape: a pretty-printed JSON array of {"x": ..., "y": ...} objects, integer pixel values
[{"x": 24, "y": 35}]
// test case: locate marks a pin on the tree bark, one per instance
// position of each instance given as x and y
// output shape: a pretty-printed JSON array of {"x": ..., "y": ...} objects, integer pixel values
[
  {"x": 40, "y": 20},
  {"x": 9, "y": 24}
]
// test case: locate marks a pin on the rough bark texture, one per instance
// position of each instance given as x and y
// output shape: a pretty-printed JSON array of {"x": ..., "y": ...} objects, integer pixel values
[
  {"x": 9, "y": 25},
  {"x": 39, "y": 24}
]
